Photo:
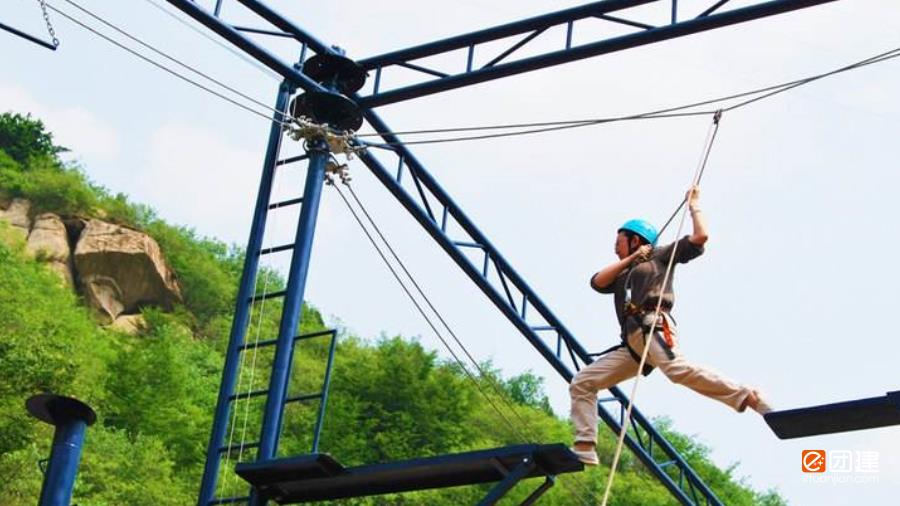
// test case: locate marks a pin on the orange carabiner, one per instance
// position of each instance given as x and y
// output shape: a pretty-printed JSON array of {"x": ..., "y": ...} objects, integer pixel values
[{"x": 667, "y": 332}]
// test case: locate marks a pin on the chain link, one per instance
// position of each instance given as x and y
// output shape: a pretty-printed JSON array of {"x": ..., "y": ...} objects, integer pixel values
[{"x": 50, "y": 30}]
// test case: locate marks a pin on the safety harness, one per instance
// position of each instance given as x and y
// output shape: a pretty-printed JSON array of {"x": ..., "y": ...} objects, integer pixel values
[{"x": 643, "y": 316}]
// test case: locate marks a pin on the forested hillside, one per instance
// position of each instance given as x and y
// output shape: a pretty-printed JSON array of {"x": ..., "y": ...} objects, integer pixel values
[{"x": 155, "y": 391}]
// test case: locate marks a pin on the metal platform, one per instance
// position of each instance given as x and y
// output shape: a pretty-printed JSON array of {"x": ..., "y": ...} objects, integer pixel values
[
  {"x": 318, "y": 477},
  {"x": 860, "y": 414}
]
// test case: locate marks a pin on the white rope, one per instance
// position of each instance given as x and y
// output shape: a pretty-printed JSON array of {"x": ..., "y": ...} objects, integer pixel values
[
  {"x": 236, "y": 407},
  {"x": 695, "y": 180}
]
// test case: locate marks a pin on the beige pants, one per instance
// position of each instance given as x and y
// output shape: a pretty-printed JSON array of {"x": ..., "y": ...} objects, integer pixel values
[{"x": 618, "y": 365}]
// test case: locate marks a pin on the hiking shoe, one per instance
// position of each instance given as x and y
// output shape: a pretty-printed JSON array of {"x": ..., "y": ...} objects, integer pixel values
[{"x": 587, "y": 457}]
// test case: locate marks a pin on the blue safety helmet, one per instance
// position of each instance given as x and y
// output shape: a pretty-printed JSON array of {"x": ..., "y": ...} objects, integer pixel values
[{"x": 643, "y": 228}]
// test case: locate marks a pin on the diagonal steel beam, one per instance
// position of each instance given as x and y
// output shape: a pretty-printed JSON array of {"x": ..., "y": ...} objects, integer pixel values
[
  {"x": 642, "y": 37},
  {"x": 287, "y": 25},
  {"x": 261, "y": 54}
]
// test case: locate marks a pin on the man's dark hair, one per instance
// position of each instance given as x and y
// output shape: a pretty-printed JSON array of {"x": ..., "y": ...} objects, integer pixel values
[{"x": 629, "y": 234}]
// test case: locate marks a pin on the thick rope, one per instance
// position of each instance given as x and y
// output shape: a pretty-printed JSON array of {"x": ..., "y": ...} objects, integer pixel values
[{"x": 695, "y": 180}]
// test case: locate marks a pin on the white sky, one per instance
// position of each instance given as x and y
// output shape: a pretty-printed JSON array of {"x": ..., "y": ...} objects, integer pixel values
[{"x": 795, "y": 289}]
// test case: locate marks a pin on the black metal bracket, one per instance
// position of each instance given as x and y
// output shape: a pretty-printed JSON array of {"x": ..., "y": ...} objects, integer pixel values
[
  {"x": 29, "y": 38},
  {"x": 512, "y": 478}
]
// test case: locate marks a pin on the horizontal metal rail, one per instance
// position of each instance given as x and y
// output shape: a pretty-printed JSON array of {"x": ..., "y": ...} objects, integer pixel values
[
  {"x": 541, "y": 22},
  {"x": 466, "y": 75},
  {"x": 229, "y": 500}
]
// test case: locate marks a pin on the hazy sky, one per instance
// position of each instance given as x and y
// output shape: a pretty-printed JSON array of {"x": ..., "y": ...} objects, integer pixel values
[{"x": 795, "y": 293}]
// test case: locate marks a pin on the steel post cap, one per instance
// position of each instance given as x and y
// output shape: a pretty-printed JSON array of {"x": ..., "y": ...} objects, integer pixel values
[{"x": 57, "y": 409}]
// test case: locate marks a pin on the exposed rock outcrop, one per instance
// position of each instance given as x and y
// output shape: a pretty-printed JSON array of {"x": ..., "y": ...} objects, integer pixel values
[
  {"x": 117, "y": 269},
  {"x": 129, "y": 324},
  {"x": 16, "y": 214},
  {"x": 49, "y": 242},
  {"x": 121, "y": 270}
]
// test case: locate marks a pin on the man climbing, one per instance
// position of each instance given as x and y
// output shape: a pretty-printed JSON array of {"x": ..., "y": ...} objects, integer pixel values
[{"x": 636, "y": 280}]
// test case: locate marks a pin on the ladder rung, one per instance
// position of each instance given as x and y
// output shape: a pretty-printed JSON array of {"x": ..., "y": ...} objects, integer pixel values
[
  {"x": 291, "y": 160},
  {"x": 285, "y": 203},
  {"x": 464, "y": 244},
  {"x": 265, "y": 296},
  {"x": 301, "y": 398},
  {"x": 260, "y": 344},
  {"x": 314, "y": 334},
  {"x": 666, "y": 464},
  {"x": 262, "y": 32},
  {"x": 247, "y": 395},
  {"x": 543, "y": 328},
  {"x": 272, "y": 342},
  {"x": 229, "y": 449},
  {"x": 276, "y": 249},
  {"x": 229, "y": 500}
]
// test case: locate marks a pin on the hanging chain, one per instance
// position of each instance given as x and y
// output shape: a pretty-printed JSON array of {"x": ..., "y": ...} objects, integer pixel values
[{"x": 49, "y": 26}]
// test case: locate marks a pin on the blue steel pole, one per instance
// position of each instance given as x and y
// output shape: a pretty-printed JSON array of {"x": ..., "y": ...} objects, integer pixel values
[
  {"x": 70, "y": 417},
  {"x": 64, "y": 458},
  {"x": 242, "y": 306},
  {"x": 293, "y": 300}
]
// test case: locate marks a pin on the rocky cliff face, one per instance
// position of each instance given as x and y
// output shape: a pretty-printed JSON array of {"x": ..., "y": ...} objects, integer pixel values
[
  {"x": 118, "y": 270},
  {"x": 49, "y": 241}
]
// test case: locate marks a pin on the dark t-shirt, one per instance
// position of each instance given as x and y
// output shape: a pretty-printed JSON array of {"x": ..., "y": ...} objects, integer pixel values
[{"x": 646, "y": 278}]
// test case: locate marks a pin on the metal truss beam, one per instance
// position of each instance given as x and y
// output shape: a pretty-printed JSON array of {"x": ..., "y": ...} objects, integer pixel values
[
  {"x": 436, "y": 212},
  {"x": 229, "y": 33},
  {"x": 440, "y": 81},
  {"x": 286, "y": 25}
]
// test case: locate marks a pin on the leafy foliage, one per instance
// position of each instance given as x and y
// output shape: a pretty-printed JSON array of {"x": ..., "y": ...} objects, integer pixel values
[{"x": 22, "y": 137}]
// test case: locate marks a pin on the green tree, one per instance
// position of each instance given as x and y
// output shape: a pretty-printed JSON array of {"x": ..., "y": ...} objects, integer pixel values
[
  {"x": 48, "y": 341},
  {"x": 23, "y": 137},
  {"x": 163, "y": 385}
]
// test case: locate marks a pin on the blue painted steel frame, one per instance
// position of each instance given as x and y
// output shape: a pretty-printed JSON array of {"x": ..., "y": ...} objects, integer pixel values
[
  {"x": 242, "y": 306},
  {"x": 424, "y": 215},
  {"x": 232, "y": 35},
  {"x": 536, "y": 25},
  {"x": 293, "y": 299},
  {"x": 707, "y": 20}
]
